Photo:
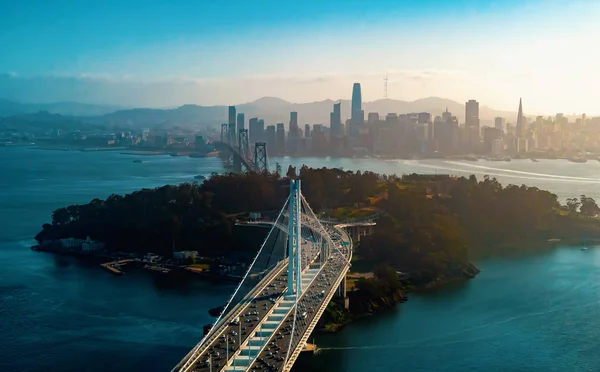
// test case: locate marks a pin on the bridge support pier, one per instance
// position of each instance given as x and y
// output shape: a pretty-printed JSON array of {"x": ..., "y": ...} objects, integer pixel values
[{"x": 341, "y": 291}]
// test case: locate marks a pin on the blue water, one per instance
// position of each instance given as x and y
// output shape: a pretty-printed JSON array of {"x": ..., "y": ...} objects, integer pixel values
[{"x": 537, "y": 313}]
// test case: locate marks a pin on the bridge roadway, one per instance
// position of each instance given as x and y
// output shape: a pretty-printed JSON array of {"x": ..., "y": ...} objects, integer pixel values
[
  {"x": 251, "y": 311},
  {"x": 261, "y": 329},
  {"x": 313, "y": 303}
]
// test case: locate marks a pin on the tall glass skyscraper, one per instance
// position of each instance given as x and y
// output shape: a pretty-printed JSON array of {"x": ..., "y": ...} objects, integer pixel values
[
  {"x": 356, "y": 115},
  {"x": 335, "y": 120}
]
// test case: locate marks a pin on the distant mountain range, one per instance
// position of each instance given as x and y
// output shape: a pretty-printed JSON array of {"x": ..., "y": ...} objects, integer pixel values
[
  {"x": 273, "y": 110},
  {"x": 8, "y": 108}
]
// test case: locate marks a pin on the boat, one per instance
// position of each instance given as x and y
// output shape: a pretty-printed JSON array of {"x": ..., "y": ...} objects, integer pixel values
[
  {"x": 584, "y": 248},
  {"x": 138, "y": 161},
  {"x": 534, "y": 160},
  {"x": 215, "y": 312},
  {"x": 200, "y": 177}
]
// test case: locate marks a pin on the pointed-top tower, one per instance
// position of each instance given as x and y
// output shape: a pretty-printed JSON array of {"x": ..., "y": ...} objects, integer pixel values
[{"x": 520, "y": 127}]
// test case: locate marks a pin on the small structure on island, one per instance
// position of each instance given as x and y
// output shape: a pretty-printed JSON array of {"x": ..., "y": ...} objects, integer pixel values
[
  {"x": 87, "y": 245},
  {"x": 151, "y": 257},
  {"x": 254, "y": 216},
  {"x": 71, "y": 243},
  {"x": 90, "y": 245},
  {"x": 185, "y": 255}
]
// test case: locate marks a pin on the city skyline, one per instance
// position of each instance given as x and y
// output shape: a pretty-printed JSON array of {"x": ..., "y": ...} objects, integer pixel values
[{"x": 185, "y": 56}]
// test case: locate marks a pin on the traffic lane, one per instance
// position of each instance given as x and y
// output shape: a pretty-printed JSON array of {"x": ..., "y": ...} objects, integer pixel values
[
  {"x": 273, "y": 356},
  {"x": 264, "y": 303},
  {"x": 230, "y": 317},
  {"x": 247, "y": 325},
  {"x": 249, "y": 322}
]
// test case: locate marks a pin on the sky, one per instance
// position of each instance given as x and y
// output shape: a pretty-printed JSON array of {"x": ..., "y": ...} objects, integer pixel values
[{"x": 155, "y": 53}]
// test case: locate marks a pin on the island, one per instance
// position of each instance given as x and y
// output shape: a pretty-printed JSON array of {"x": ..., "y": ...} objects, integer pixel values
[{"x": 429, "y": 227}]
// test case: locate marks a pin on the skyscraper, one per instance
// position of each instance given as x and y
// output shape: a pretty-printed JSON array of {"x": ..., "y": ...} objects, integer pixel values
[
  {"x": 293, "y": 122},
  {"x": 256, "y": 130},
  {"x": 280, "y": 139},
  {"x": 356, "y": 115},
  {"x": 271, "y": 138},
  {"x": 293, "y": 133},
  {"x": 499, "y": 123},
  {"x": 472, "y": 124},
  {"x": 520, "y": 124},
  {"x": 241, "y": 121},
  {"x": 335, "y": 120},
  {"x": 232, "y": 129},
  {"x": 472, "y": 114}
]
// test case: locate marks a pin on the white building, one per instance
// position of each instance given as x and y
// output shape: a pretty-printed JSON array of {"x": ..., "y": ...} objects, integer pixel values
[
  {"x": 91, "y": 246},
  {"x": 71, "y": 243}
]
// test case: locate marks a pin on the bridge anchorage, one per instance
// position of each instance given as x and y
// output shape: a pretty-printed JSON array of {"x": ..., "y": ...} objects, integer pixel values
[
  {"x": 235, "y": 151},
  {"x": 266, "y": 323}
]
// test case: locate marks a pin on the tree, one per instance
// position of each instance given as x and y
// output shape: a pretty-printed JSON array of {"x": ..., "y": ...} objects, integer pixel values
[
  {"x": 572, "y": 205},
  {"x": 387, "y": 277},
  {"x": 588, "y": 206},
  {"x": 61, "y": 217},
  {"x": 291, "y": 172}
]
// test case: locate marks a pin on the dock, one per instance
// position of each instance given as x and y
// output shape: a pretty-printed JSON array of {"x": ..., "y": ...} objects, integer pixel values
[
  {"x": 158, "y": 268},
  {"x": 312, "y": 348},
  {"x": 115, "y": 266}
]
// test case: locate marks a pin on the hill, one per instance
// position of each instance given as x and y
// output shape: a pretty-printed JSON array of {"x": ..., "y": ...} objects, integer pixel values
[
  {"x": 8, "y": 108},
  {"x": 273, "y": 110}
]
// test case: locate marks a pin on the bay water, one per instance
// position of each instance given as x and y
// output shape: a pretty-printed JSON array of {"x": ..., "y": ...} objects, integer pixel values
[{"x": 534, "y": 313}]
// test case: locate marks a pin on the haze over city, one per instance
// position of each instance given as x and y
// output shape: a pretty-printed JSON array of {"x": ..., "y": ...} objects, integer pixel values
[{"x": 154, "y": 54}]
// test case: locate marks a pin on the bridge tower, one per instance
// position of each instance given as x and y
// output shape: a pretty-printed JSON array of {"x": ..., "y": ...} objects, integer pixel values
[
  {"x": 232, "y": 135},
  {"x": 260, "y": 157},
  {"x": 294, "y": 245},
  {"x": 225, "y": 133},
  {"x": 226, "y": 155},
  {"x": 243, "y": 144}
]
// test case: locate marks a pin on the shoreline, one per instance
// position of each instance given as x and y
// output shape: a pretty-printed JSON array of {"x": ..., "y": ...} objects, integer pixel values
[
  {"x": 402, "y": 297},
  {"x": 190, "y": 153},
  {"x": 112, "y": 262}
]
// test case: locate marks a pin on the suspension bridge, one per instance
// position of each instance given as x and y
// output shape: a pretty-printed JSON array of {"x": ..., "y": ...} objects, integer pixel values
[
  {"x": 236, "y": 152},
  {"x": 266, "y": 323}
]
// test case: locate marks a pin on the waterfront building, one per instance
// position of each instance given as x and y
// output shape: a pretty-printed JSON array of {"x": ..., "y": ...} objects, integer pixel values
[{"x": 90, "y": 245}]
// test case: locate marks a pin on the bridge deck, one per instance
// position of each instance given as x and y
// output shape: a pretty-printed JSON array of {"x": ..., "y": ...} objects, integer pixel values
[
  {"x": 266, "y": 318},
  {"x": 272, "y": 357}
]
